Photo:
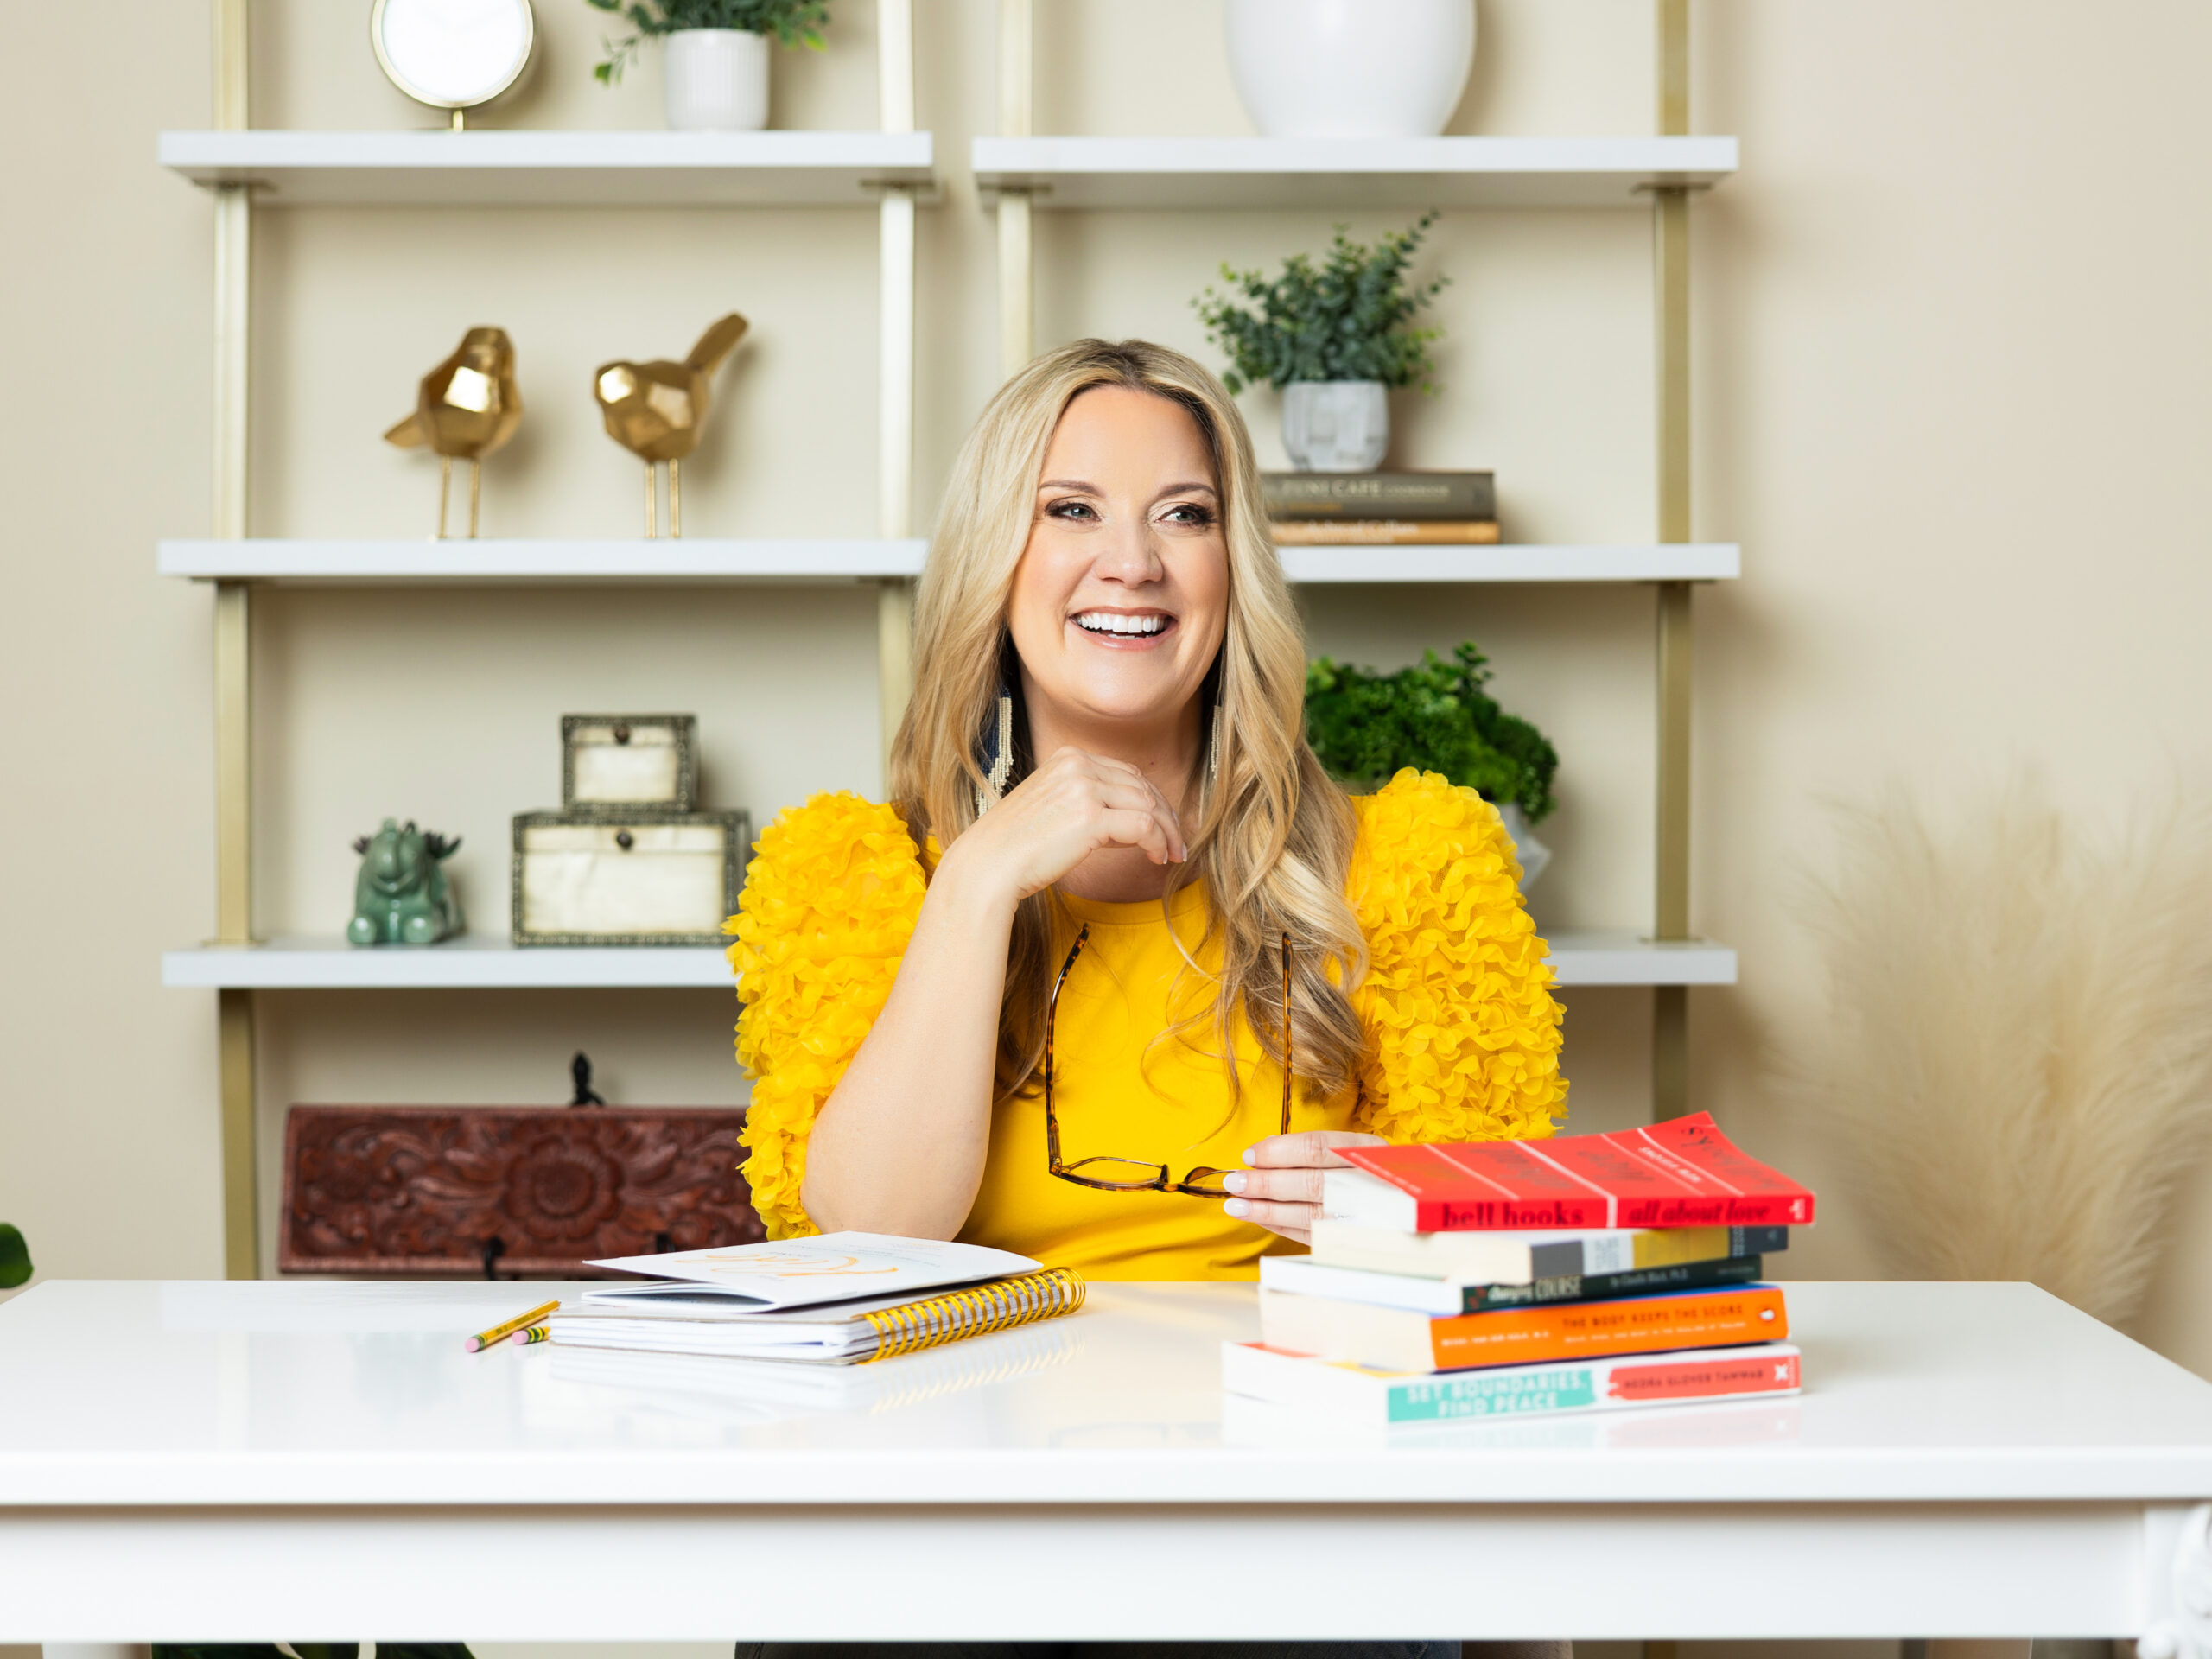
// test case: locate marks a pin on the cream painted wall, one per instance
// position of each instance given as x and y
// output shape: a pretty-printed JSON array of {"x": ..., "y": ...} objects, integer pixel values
[{"x": 1951, "y": 352}]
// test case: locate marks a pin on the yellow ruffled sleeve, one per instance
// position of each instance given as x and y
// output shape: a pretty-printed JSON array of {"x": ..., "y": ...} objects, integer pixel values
[
  {"x": 830, "y": 900},
  {"x": 1462, "y": 1031}
]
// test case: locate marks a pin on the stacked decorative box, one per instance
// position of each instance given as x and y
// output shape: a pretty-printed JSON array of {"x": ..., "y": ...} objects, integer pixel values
[{"x": 629, "y": 859}]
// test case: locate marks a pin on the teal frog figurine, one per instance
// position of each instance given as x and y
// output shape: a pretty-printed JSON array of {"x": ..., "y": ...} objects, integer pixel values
[{"x": 401, "y": 896}]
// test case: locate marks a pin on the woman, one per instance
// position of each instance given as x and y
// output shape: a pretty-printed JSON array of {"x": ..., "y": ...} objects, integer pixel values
[{"x": 1109, "y": 843}]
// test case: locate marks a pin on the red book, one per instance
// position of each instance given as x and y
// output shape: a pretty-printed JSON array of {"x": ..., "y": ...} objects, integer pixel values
[{"x": 1681, "y": 1173}]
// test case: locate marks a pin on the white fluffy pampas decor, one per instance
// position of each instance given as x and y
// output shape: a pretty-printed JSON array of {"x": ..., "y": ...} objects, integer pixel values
[{"x": 2017, "y": 1059}]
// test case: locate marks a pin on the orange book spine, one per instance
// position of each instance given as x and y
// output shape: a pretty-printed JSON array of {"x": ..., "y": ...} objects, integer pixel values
[
  {"x": 1385, "y": 532},
  {"x": 1636, "y": 1325}
]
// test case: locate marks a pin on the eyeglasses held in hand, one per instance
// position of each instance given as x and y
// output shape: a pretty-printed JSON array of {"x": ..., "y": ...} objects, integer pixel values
[{"x": 1204, "y": 1183}]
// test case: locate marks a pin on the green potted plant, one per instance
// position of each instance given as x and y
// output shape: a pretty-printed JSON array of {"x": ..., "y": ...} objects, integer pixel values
[
  {"x": 15, "y": 1258},
  {"x": 717, "y": 54},
  {"x": 1333, "y": 338},
  {"x": 1434, "y": 716}
]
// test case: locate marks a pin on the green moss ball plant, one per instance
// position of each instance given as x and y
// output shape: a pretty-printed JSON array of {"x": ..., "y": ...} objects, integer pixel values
[{"x": 1433, "y": 716}]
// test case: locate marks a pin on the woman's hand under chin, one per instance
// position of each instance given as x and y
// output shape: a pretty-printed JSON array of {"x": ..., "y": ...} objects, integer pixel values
[
  {"x": 1283, "y": 1190},
  {"x": 1072, "y": 805}
]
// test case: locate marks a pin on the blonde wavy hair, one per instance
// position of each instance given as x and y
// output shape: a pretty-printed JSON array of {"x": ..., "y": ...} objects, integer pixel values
[{"x": 1275, "y": 837}]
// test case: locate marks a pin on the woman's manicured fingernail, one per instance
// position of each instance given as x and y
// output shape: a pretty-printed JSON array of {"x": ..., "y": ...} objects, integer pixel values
[
  {"x": 1248, "y": 1158},
  {"x": 1238, "y": 1208},
  {"x": 1234, "y": 1183}
]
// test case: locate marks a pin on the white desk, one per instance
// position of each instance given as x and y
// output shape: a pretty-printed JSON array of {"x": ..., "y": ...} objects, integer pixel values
[{"x": 242, "y": 1461}]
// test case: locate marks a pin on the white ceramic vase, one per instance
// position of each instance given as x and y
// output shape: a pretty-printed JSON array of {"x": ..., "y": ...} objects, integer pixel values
[
  {"x": 1532, "y": 853},
  {"x": 717, "y": 80},
  {"x": 1350, "y": 68},
  {"x": 1336, "y": 426}
]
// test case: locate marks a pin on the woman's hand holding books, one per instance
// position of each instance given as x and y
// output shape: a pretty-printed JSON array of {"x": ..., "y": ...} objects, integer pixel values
[{"x": 1282, "y": 1190}]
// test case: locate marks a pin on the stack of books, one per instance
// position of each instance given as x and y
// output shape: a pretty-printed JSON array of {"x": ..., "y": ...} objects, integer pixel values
[
  {"x": 1516, "y": 1278},
  {"x": 1380, "y": 509}
]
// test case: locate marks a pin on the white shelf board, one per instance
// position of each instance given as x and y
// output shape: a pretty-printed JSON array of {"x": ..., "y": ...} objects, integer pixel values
[
  {"x": 472, "y": 962},
  {"x": 1671, "y": 562},
  {"x": 1343, "y": 173},
  {"x": 356, "y": 563},
  {"x": 553, "y": 170},
  {"x": 485, "y": 963},
  {"x": 461, "y": 560},
  {"x": 1583, "y": 956}
]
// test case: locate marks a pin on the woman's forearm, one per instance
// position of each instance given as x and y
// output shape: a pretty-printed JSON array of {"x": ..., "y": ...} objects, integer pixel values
[{"x": 899, "y": 1145}]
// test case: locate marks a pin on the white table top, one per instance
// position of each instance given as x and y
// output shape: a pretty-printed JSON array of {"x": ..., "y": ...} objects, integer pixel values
[{"x": 302, "y": 1392}]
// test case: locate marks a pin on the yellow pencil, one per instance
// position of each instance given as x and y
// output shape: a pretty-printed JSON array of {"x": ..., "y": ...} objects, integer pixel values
[{"x": 484, "y": 1339}]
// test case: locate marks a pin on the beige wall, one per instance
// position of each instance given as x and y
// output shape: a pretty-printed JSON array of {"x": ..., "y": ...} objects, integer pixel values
[{"x": 1952, "y": 398}]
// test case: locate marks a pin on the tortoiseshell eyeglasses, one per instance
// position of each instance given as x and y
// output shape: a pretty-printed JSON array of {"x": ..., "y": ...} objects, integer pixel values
[{"x": 1204, "y": 1183}]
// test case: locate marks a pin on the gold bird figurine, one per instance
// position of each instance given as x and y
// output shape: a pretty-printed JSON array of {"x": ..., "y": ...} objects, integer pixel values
[
  {"x": 656, "y": 410},
  {"x": 467, "y": 407}
]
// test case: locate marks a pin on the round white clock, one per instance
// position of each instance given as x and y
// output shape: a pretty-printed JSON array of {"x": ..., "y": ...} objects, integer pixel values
[{"x": 452, "y": 54}]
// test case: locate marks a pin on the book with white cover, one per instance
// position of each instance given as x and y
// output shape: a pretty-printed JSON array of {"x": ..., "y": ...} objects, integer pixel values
[
  {"x": 804, "y": 1272},
  {"x": 1372, "y": 1395},
  {"x": 1521, "y": 1258},
  {"x": 1441, "y": 1298}
]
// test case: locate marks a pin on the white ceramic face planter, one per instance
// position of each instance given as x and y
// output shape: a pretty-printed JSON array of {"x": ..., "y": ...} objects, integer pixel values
[{"x": 1350, "y": 68}]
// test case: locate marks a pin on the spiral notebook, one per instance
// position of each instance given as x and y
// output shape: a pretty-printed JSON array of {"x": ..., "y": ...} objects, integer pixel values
[
  {"x": 835, "y": 1333},
  {"x": 794, "y": 1272},
  {"x": 709, "y": 1388},
  {"x": 803, "y": 1300}
]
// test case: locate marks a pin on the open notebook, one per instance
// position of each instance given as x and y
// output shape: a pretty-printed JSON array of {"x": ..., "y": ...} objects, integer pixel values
[{"x": 836, "y": 1299}]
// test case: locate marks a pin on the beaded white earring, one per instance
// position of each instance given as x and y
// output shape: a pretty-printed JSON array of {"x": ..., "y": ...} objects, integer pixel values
[{"x": 995, "y": 756}]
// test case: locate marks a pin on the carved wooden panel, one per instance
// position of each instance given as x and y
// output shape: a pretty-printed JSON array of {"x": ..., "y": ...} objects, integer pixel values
[{"x": 453, "y": 1190}]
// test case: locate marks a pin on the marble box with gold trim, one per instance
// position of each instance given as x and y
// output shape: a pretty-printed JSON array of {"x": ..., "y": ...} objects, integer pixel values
[
  {"x": 614, "y": 763},
  {"x": 648, "y": 877}
]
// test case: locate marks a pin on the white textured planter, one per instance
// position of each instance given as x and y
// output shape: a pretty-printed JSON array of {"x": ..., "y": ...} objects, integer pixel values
[
  {"x": 1350, "y": 68},
  {"x": 717, "y": 80},
  {"x": 1336, "y": 426},
  {"x": 1532, "y": 853}
]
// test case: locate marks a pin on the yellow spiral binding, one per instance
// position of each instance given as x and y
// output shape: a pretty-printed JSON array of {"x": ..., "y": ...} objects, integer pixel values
[{"x": 975, "y": 1312}]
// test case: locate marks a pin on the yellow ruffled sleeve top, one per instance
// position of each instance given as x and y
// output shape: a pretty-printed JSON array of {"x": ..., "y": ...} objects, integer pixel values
[{"x": 1464, "y": 1033}]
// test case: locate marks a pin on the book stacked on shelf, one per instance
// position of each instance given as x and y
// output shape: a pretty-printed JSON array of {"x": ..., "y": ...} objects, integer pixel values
[
  {"x": 1380, "y": 509},
  {"x": 836, "y": 1299},
  {"x": 1516, "y": 1278}
]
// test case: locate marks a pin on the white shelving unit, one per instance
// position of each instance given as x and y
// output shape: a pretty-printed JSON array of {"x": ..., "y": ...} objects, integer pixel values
[
  {"x": 1337, "y": 173},
  {"x": 889, "y": 171},
  {"x": 554, "y": 169},
  {"x": 419, "y": 562},
  {"x": 1580, "y": 958}
]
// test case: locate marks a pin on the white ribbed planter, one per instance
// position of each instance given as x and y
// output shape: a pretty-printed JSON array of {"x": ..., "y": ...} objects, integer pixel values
[
  {"x": 717, "y": 80},
  {"x": 1350, "y": 68},
  {"x": 1336, "y": 426}
]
